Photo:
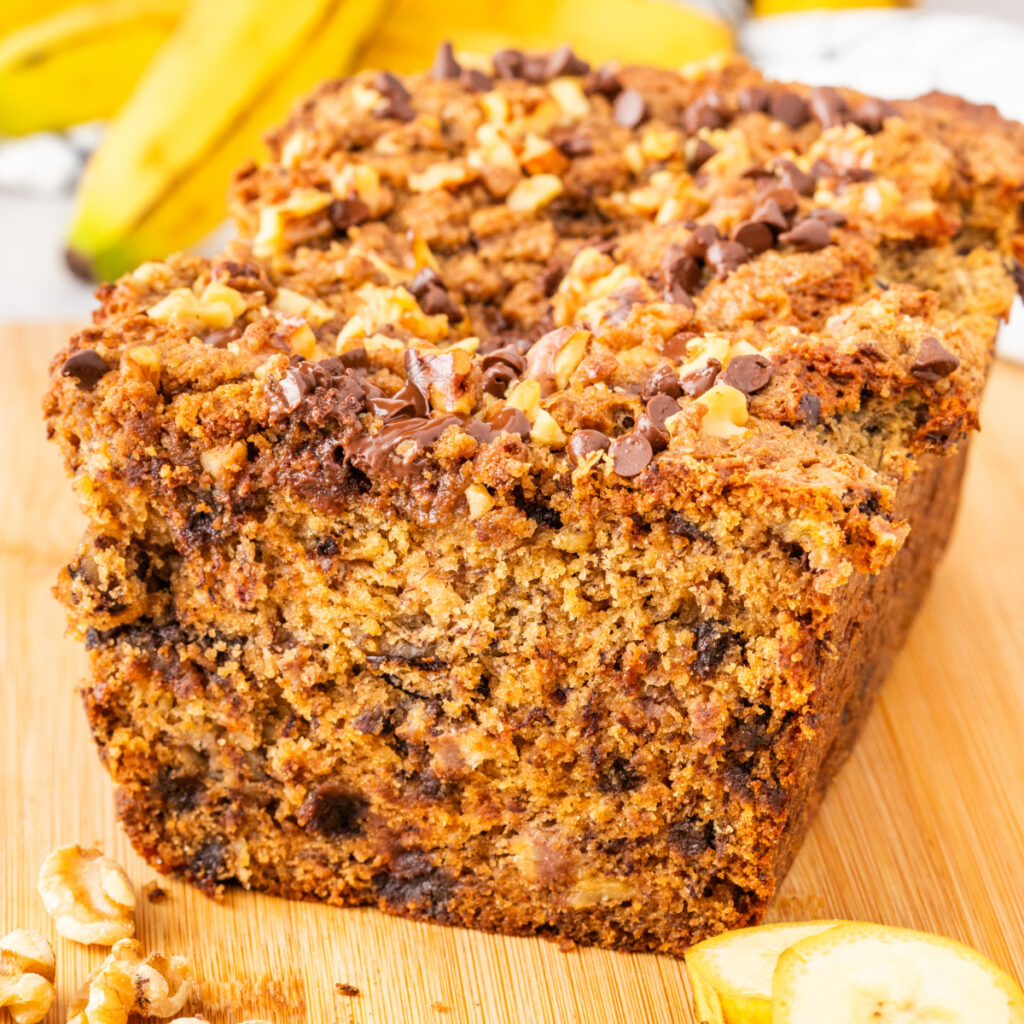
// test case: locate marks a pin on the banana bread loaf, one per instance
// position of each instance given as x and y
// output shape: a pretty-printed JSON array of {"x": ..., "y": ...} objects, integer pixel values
[{"x": 513, "y": 527}]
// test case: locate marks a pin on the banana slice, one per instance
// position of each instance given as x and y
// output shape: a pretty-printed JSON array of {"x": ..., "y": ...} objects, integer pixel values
[
  {"x": 731, "y": 974},
  {"x": 872, "y": 974}
]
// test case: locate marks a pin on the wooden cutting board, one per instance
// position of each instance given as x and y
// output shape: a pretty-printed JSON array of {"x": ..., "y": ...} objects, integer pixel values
[{"x": 924, "y": 826}]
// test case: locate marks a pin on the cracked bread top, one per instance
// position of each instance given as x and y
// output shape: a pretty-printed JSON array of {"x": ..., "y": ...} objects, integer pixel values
[{"x": 631, "y": 290}]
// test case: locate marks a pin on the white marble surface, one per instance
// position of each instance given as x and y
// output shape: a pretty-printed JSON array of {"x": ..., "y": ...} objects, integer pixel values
[{"x": 886, "y": 52}]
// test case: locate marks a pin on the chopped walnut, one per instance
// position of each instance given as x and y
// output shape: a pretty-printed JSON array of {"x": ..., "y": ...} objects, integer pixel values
[
  {"x": 546, "y": 430},
  {"x": 183, "y": 306},
  {"x": 593, "y": 891},
  {"x": 726, "y": 411},
  {"x": 479, "y": 500},
  {"x": 88, "y": 896},
  {"x": 126, "y": 983},
  {"x": 533, "y": 193},
  {"x": 26, "y": 976}
]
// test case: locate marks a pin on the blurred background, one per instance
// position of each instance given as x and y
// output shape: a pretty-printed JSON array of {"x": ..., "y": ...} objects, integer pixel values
[{"x": 171, "y": 95}]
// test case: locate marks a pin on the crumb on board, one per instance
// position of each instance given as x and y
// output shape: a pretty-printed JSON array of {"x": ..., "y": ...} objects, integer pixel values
[{"x": 154, "y": 892}]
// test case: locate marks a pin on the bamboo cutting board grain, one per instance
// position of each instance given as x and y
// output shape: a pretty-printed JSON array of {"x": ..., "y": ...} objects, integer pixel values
[{"x": 924, "y": 826}]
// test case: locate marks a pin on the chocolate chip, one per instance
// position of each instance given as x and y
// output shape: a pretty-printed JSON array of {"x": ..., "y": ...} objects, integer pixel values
[
  {"x": 317, "y": 392},
  {"x": 474, "y": 80},
  {"x": 707, "y": 112},
  {"x": 829, "y": 106},
  {"x": 445, "y": 65},
  {"x": 664, "y": 381},
  {"x": 631, "y": 454},
  {"x": 754, "y": 235},
  {"x": 576, "y": 145},
  {"x": 223, "y": 336},
  {"x": 409, "y": 400},
  {"x": 724, "y": 257},
  {"x": 604, "y": 81},
  {"x": 810, "y": 407},
  {"x": 697, "y": 153},
  {"x": 346, "y": 213},
  {"x": 534, "y": 68},
  {"x": 831, "y": 217},
  {"x": 586, "y": 442},
  {"x": 391, "y": 86},
  {"x": 395, "y": 450},
  {"x": 933, "y": 361},
  {"x": 790, "y": 176},
  {"x": 396, "y": 110},
  {"x": 564, "y": 62},
  {"x": 748, "y": 373},
  {"x": 675, "y": 348},
  {"x": 822, "y": 169},
  {"x": 332, "y": 811},
  {"x": 871, "y": 114},
  {"x": 629, "y": 108},
  {"x": 790, "y": 109},
  {"x": 501, "y": 366},
  {"x": 482, "y": 432},
  {"x": 809, "y": 235},
  {"x": 786, "y": 197},
  {"x": 679, "y": 271},
  {"x": 695, "y": 383},
  {"x": 355, "y": 358},
  {"x": 432, "y": 295},
  {"x": 753, "y": 99},
  {"x": 769, "y": 212},
  {"x": 435, "y": 300},
  {"x": 508, "y": 63},
  {"x": 660, "y": 408},
  {"x": 702, "y": 238},
  {"x": 712, "y": 643},
  {"x": 86, "y": 366},
  {"x": 398, "y": 103},
  {"x": 496, "y": 380},
  {"x": 512, "y": 421},
  {"x": 855, "y": 175}
]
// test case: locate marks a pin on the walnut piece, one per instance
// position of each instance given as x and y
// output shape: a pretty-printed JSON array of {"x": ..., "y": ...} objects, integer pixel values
[
  {"x": 26, "y": 976},
  {"x": 126, "y": 983},
  {"x": 88, "y": 895}
]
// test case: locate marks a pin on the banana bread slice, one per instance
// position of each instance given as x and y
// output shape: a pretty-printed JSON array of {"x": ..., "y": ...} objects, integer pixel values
[{"x": 531, "y": 565}]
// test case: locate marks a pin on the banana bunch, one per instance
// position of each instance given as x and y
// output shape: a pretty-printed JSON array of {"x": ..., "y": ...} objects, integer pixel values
[
  {"x": 80, "y": 63},
  {"x": 844, "y": 972},
  {"x": 192, "y": 85}
]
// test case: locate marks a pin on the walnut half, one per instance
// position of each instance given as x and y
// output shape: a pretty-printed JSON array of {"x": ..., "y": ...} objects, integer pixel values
[
  {"x": 126, "y": 983},
  {"x": 88, "y": 896},
  {"x": 26, "y": 976}
]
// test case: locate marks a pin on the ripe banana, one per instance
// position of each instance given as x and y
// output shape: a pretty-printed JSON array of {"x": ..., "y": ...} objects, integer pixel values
[
  {"x": 865, "y": 973},
  {"x": 630, "y": 31},
  {"x": 79, "y": 64},
  {"x": 15, "y": 13},
  {"x": 230, "y": 70},
  {"x": 731, "y": 974}
]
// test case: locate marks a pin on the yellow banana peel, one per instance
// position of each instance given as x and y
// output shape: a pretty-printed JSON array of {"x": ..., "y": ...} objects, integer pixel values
[
  {"x": 630, "y": 31},
  {"x": 231, "y": 70},
  {"x": 79, "y": 64},
  {"x": 15, "y": 13}
]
